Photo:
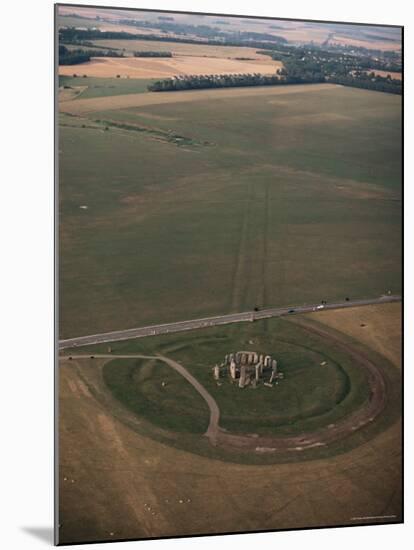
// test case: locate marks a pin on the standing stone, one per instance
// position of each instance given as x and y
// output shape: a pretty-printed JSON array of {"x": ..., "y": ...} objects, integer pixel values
[
  {"x": 257, "y": 372},
  {"x": 216, "y": 371},
  {"x": 233, "y": 369},
  {"x": 242, "y": 379}
]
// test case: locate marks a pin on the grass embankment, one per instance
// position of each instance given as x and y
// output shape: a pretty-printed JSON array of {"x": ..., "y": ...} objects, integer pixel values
[{"x": 310, "y": 397}]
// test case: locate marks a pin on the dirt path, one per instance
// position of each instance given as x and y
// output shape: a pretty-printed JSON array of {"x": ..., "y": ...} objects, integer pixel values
[
  {"x": 213, "y": 426},
  {"x": 268, "y": 444}
]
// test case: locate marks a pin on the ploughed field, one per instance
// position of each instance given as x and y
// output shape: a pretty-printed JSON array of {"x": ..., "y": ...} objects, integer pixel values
[
  {"x": 224, "y": 202},
  {"x": 152, "y": 67}
]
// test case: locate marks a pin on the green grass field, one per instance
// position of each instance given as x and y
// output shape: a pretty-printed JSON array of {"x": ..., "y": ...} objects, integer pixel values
[
  {"x": 101, "y": 87},
  {"x": 138, "y": 385},
  {"x": 294, "y": 198},
  {"x": 310, "y": 397}
]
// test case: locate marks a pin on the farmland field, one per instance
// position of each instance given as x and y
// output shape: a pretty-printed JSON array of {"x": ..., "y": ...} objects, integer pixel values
[
  {"x": 226, "y": 202},
  {"x": 150, "y": 67},
  {"x": 177, "y": 48}
]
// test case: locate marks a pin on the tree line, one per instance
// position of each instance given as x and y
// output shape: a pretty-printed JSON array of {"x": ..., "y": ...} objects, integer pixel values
[
  {"x": 370, "y": 82},
  {"x": 203, "y": 31},
  {"x": 152, "y": 54},
  {"x": 197, "y": 82},
  {"x": 78, "y": 56},
  {"x": 72, "y": 35}
]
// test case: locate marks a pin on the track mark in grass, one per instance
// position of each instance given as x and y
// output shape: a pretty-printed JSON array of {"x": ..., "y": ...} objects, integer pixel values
[{"x": 157, "y": 134}]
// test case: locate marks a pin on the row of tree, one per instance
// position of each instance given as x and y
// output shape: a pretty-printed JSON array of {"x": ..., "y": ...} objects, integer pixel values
[
  {"x": 203, "y": 31},
  {"x": 152, "y": 54},
  {"x": 72, "y": 35},
  {"x": 197, "y": 82},
  {"x": 377, "y": 83},
  {"x": 78, "y": 56}
]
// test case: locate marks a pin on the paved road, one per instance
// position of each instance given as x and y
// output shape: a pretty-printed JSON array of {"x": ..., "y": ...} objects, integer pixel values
[
  {"x": 181, "y": 326},
  {"x": 213, "y": 425}
]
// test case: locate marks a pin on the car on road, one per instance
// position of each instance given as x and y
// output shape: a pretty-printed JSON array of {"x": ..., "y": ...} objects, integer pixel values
[
  {"x": 320, "y": 307},
  {"x": 291, "y": 311}
]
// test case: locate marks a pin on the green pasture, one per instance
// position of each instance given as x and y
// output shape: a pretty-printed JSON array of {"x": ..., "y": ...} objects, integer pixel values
[
  {"x": 101, "y": 87},
  {"x": 320, "y": 384},
  {"x": 275, "y": 200},
  {"x": 309, "y": 397}
]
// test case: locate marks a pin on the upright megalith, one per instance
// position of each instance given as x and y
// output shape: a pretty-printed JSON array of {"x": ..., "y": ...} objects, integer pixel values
[
  {"x": 216, "y": 372},
  {"x": 242, "y": 379},
  {"x": 249, "y": 368},
  {"x": 233, "y": 369}
]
